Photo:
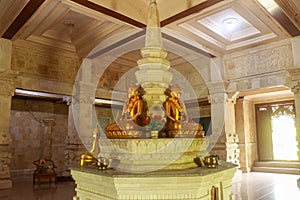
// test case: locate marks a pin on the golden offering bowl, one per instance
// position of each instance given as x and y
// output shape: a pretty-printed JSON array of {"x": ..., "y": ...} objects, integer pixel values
[{"x": 211, "y": 161}]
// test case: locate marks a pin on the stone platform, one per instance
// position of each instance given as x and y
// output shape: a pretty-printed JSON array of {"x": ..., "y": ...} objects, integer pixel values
[
  {"x": 145, "y": 155},
  {"x": 195, "y": 183}
]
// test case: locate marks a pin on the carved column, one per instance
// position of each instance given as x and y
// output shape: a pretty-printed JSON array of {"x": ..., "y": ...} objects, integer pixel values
[
  {"x": 6, "y": 92},
  {"x": 232, "y": 138},
  {"x": 297, "y": 121},
  {"x": 223, "y": 123},
  {"x": 293, "y": 81},
  {"x": 74, "y": 146},
  {"x": 82, "y": 117},
  {"x": 217, "y": 100},
  {"x": 7, "y": 89}
]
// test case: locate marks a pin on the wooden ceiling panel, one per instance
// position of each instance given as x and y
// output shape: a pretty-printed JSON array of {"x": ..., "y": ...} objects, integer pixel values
[
  {"x": 9, "y": 11},
  {"x": 79, "y": 25},
  {"x": 207, "y": 27}
]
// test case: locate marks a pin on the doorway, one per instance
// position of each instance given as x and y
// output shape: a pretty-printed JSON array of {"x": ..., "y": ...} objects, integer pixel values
[{"x": 276, "y": 132}]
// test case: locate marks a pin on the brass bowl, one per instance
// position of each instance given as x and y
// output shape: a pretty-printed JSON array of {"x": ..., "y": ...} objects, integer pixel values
[{"x": 211, "y": 161}]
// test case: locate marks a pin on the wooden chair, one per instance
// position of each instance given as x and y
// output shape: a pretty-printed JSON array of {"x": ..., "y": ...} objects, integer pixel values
[{"x": 45, "y": 169}]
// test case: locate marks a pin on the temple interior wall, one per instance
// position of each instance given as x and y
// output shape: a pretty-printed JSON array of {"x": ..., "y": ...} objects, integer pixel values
[
  {"x": 33, "y": 138},
  {"x": 48, "y": 72}
]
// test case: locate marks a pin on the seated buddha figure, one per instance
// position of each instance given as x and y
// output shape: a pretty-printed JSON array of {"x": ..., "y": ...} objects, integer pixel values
[
  {"x": 178, "y": 122},
  {"x": 133, "y": 115}
]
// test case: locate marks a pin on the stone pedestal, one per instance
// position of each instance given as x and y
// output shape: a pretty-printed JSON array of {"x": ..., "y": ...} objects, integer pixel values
[
  {"x": 145, "y": 155},
  {"x": 196, "y": 183}
]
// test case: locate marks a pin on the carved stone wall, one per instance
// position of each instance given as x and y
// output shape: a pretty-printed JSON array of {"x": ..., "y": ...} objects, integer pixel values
[
  {"x": 43, "y": 71},
  {"x": 38, "y": 130},
  {"x": 255, "y": 69},
  {"x": 260, "y": 62},
  {"x": 246, "y": 130},
  {"x": 196, "y": 81}
]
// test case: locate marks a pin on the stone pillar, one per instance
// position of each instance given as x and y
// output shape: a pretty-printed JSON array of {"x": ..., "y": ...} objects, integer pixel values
[
  {"x": 83, "y": 103},
  {"x": 74, "y": 146},
  {"x": 224, "y": 137},
  {"x": 297, "y": 121},
  {"x": 246, "y": 131},
  {"x": 81, "y": 114},
  {"x": 296, "y": 48},
  {"x": 293, "y": 81},
  {"x": 230, "y": 131},
  {"x": 217, "y": 100},
  {"x": 6, "y": 92}
]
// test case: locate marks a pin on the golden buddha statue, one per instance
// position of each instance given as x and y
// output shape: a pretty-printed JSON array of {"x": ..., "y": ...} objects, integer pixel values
[
  {"x": 178, "y": 122},
  {"x": 134, "y": 113},
  {"x": 135, "y": 108},
  {"x": 174, "y": 110}
]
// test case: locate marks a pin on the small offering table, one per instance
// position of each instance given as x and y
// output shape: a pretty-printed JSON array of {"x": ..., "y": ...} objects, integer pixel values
[{"x": 195, "y": 183}]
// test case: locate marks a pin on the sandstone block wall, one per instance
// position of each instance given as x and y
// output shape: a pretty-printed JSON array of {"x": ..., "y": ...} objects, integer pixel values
[{"x": 33, "y": 138}]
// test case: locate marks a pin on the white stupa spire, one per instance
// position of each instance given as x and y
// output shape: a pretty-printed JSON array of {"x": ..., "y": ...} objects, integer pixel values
[
  {"x": 153, "y": 33},
  {"x": 153, "y": 74}
]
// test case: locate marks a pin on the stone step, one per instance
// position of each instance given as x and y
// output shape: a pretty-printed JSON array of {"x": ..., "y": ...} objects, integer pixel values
[
  {"x": 277, "y": 164},
  {"x": 276, "y": 170}
]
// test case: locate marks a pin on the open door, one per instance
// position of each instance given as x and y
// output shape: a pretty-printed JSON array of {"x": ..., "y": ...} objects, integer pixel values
[
  {"x": 264, "y": 133},
  {"x": 276, "y": 132}
]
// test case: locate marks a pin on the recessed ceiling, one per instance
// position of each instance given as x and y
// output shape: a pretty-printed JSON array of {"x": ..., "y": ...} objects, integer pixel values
[
  {"x": 229, "y": 25},
  {"x": 77, "y": 26}
]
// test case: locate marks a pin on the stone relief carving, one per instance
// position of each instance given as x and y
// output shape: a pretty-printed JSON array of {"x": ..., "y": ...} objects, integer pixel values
[
  {"x": 217, "y": 99},
  {"x": 36, "y": 63},
  {"x": 6, "y": 87},
  {"x": 266, "y": 61},
  {"x": 293, "y": 79}
]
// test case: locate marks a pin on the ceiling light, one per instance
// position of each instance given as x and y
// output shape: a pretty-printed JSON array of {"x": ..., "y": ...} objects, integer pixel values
[{"x": 230, "y": 22}]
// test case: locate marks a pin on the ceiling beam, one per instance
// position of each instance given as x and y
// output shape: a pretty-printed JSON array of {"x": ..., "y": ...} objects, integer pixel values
[
  {"x": 186, "y": 45},
  {"x": 189, "y": 11},
  {"x": 109, "y": 12},
  {"x": 291, "y": 11},
  {"x": 117, "y": 44},
  {"x": 280, "y": 16},
  {"x": 22, "y": 18}
]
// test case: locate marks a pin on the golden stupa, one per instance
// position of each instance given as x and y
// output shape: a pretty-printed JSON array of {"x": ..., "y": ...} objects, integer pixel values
[
  {"x": 143, "y": 165},
  {"x": 153, "y": 104},
  {"x": 154, "y": 131}
]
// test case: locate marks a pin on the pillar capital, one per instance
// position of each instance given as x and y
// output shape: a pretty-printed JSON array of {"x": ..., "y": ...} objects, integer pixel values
[
  {"x": 5, "y": 138},
  {"x": 293, "y": 80},
  {"x": 217, "y": 87},
  {"x": 217, "y": 98},
  {"x": 7, "y": 82},
  {"x": 68, "y": 100},
  {"x": 232, "y": 97}
]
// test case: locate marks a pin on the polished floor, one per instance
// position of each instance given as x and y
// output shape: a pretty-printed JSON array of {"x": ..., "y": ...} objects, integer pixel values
[
  {"x": 251, "y": 186},
  {"x": 266, "y": 186}
]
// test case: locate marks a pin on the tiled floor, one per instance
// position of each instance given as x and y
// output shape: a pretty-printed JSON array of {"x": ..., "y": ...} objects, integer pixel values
[
  {"x": 254, "y": 186},
  {"x": 23, "y": 189},
  {"x": 267, "y": 186}
]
